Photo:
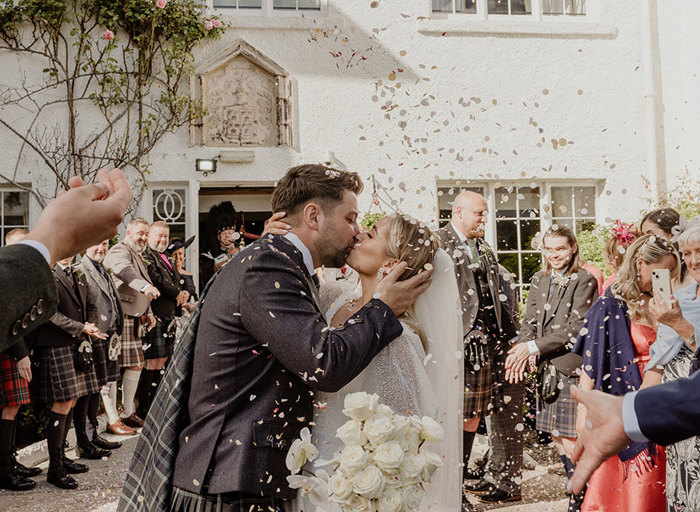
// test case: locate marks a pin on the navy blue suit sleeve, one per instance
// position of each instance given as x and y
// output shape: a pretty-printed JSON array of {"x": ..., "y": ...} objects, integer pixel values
[{"x": 670, "y": 412}]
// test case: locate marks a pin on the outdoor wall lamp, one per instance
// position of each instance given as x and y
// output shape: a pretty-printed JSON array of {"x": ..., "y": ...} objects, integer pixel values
[{"x": 205, "y": 165}]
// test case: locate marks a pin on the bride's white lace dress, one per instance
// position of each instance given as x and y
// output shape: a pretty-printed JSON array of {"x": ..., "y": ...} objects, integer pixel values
[{"x": 407, "y": 380}]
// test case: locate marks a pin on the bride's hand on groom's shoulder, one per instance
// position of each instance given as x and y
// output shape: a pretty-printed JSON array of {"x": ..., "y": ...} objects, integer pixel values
[{"x": 400, "y": 295}]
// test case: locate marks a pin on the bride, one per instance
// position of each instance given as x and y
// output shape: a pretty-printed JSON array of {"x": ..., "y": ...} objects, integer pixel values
[{"x": 420, "y": 372}]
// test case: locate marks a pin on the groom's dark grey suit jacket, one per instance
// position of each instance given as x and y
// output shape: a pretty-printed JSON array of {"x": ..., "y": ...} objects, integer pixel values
[{"x": 262, "y": 348}]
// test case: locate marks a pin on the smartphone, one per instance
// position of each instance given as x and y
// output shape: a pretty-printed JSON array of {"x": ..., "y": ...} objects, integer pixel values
[{"x": 661, "y": 282}]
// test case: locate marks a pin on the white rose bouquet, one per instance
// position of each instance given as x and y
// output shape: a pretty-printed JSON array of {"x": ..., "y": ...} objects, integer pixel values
[{"x": 382, "y": 467}]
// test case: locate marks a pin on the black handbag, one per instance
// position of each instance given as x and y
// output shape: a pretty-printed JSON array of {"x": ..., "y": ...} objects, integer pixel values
[
  {"x": 84, "y": 362},
  {"x": 547, "y": 382}
]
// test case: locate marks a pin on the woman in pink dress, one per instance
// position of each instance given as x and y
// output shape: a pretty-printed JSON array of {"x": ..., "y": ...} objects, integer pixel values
[{"x": 614, "y": 342}]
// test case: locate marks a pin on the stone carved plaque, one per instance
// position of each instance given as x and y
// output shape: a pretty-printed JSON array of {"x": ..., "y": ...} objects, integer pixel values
[{"x": 241, "y": 99}]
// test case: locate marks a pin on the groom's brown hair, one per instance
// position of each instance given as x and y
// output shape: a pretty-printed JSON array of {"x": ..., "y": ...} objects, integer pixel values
[{"x": 313, "y": 182}]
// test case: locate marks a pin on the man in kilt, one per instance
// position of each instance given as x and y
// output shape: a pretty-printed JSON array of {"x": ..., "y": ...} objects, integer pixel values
[
  {"x": 159, "y": 342},
  {"x": 136, "y": 291},
  {"x": 63, "y": 371},
  {"x": 15, "y": 375},
  {"x": 109, "y": 318},
  {"x": 489, "y": 327},
  {"x": 560, "y": 297}
]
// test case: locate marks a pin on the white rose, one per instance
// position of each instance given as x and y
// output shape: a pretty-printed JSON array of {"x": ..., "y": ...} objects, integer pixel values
[
  {"x": 384, "y": 410},
  {"x": 412, "y": 496},
  {"x": 369, "y": 483},
  {"x": 432, "y": 462},
  {"x": 340, "y": 488},
  {"x": 379, "y": 430},
  {"x": 353, "y": 459},
  {"x": 411, "y": 468},
  {"x": 301, "y": 451},
  {"x": 351, "y": 433},
  {"x": 432, "y": 430},
  {"x": 410, "y": 441},
  {"x": 388, "y": 456},
  {"x": 358, "y": 504},
  {"x": 401, "y": 425},
  {"x": 360, "y": 405},
  {"x": 390, "y": 500}
]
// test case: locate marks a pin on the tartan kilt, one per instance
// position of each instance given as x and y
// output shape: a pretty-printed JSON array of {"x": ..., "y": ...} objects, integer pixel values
[
  {"x": 55, "y": 378},
  {"x": 478, "y": 391},
  {"x": 559, "y": 418},
  {"x": 106, "y": 370},
  {"x": 186, "y": 501},
  {"x": 14, "y": 390},
  {"x": 132, "y": 350},
  {"x": 157, "y": 343}
]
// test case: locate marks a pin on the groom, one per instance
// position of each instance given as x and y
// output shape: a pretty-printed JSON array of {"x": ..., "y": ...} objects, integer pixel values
[{"x": 263, "y": 346}]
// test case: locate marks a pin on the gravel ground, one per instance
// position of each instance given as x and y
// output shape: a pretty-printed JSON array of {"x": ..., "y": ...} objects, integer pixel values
[
  {"x": 542, "y": 490},
  {"x": 97, "y": 487}
]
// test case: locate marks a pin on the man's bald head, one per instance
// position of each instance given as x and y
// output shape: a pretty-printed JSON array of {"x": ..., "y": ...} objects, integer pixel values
[{"x": 469, "y": 213}]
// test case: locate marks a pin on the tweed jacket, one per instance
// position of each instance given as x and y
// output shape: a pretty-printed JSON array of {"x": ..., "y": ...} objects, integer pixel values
[
  {"x": 107, "y": 313},
  {"x": 130, "y": 275},
  {"x": 28, "y": 293},
  {"x": 554, "y": 322},
  {"x": 168, "y": 283},
  {"x": 65, "y": 326},
  {"x": 467, "y": 283},
  {"x": 262, "y": 347}
]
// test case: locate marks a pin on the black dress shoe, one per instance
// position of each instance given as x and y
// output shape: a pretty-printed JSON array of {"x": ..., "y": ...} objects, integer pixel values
[
  {"x": 26, "y": 472},
  {"x": 473, "y": 473},
  {"x": 101, "y": 442},
  {"x": 74, "y": 467},
  {"x": 480, "y": 487},
  {"x": 499, "y": 496},
  {"x": 16, "y": 482},
  {"x": 90, "y": 451},
  {"x": 61, "y": 479}
]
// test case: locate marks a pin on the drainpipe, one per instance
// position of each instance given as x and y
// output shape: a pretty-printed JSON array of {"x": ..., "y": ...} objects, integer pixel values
[{"x": 653, "y": 100}]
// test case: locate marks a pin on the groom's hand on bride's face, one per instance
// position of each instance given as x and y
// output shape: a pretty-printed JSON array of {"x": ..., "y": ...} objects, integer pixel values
[{"x": 400, "y": 295}]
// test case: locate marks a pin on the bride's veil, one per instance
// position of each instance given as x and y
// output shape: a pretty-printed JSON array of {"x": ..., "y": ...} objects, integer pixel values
[{"x": 438, "y": 313}]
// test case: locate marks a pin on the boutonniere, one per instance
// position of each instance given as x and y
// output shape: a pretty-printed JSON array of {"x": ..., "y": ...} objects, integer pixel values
[
  {"x": 76, "y": 271},
  {"x": 562, "y": 281}
]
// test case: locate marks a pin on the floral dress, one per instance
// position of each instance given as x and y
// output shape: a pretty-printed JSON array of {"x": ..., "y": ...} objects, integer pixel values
[{"x": 683, "y": 457}]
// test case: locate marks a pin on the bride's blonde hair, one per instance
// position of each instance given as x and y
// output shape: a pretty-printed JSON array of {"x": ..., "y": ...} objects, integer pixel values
[{"x": 415, "y": 243}]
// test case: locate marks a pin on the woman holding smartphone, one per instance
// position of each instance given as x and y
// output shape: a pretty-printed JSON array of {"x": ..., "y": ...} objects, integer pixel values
[
  {"x": 673, "y": 355},
  {"x": 614, "y": 342}
]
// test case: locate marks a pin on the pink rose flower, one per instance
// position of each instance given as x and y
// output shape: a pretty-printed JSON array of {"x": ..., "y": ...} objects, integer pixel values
[
  {"x": 161, "y": 3},
  {"x": 108, "y": 35},
  {"x": 217, "y": 23},
  {"x": 209, "y": 24}
]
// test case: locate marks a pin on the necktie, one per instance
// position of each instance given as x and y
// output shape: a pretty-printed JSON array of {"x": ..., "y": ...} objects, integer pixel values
[
  {"x": 165, "y": 259},
  {"x": 474, "y": 252}
]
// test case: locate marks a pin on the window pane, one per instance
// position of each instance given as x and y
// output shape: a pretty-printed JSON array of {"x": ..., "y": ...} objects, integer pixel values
[
  {"x": 576, "y": 7},
  {"x": 552, "y": 7},
  {"x": 528, "y": 230},
  {"x": 250, "y": 4},
  {"x": 466, "y": 6},
  {"x": 507, "y": 235},
  {"x": 584, "y": 201},
  {"x": 225, "y": 3},
  {"x": 529, "y": 202},
  {"x": 584, "y": 225},
  {"x": 309, "y": 4},
  {"x": 446, "y": 196},
  {"x": 442, "y": 5},
  {"x": 498, "y": 6},
  {"x": 561, "y": 201},
  {"x": 284, "y": 4},
  {"x": 169, "y": 205},
  {"x": 569, "y": 223},
  {"x": 506, "y": 202},
  {"x": 520, "y": 7},
  {"x": 510, "y": 261},
  {"x": 532, "y": 262},
  {"x": 15, "y": 209}
]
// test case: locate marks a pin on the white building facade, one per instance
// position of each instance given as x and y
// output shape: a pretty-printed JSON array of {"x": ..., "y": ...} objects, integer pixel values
[{"x": 567, "y": 111}]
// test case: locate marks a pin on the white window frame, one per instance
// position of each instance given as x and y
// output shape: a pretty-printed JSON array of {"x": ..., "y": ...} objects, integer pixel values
[
  {"x": 483, "y": 14},
  {"x": 546, "y": 220},
  {"x": 267, "y": 10},
  {"x": 30, "y": 211},
  {"x": 147, "y": 213}
]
